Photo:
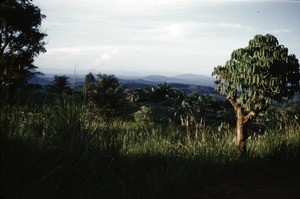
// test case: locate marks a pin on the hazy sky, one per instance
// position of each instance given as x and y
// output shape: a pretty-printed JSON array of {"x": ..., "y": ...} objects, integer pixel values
[{"x": 167, "y": 37}]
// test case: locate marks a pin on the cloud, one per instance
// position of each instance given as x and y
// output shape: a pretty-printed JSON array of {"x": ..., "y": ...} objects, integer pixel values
[
  {"x": 173, "y": 30},
  {"x": 278, "y": 31},
  {"x": 109, "y": 55},
  {"x": 230, "y": 25},
  {"x": 170, "y": 31},
  {"x": 74, "y": 50}
]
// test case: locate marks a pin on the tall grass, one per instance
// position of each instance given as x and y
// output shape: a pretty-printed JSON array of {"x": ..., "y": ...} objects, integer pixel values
[{"x": 61, "y": 151}]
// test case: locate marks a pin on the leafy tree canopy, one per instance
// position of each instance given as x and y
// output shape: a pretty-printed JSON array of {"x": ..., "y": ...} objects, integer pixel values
[
  {"x": 160, "y": 93},
  {"x": 259, "y": 73},
  {"x": 20, "y": 41},
  {"x": 254, "y": 77},
  {"x": 108, "y": 96},
  {"x": 89, "y": 85},
  {"x": 60, "y": 85}
]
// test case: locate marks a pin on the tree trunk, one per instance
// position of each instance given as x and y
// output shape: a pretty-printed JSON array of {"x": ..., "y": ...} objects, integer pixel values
[
  {"x": 242, "y": 120},
  {"x": 241, "y": 136}
]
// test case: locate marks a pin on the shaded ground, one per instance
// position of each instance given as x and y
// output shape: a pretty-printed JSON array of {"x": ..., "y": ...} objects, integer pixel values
[{"x": 280, "y": 182}]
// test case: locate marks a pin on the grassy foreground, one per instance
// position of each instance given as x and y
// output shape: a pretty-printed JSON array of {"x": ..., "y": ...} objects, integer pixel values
[{"x": 62, "y": 151}]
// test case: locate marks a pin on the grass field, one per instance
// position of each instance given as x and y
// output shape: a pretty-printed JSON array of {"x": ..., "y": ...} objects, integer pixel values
[{"x": 63, "y": 151}]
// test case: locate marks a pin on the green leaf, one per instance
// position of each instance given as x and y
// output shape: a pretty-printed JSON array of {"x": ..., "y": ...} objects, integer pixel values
[
  {"x": 250, "y": 92},
  {"x": 254, "y": 95},
  {"x": 257, "y": 79}
]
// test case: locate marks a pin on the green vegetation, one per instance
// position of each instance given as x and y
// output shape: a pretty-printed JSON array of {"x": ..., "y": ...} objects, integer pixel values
[
  {"x": 254, "y": 77},
  {"x": 60, "y": 85},
  {"x": 158, "y": 142},
  {"x": 62, "y": 150},
  {"x": 21, "y": 40}
]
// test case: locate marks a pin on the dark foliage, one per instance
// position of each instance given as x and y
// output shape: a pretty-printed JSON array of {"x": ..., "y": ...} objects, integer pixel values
[
  {"x": 21, "y": 40},
  {"x": 60, "y": 85},
  {"x": 108, "y": 96}
]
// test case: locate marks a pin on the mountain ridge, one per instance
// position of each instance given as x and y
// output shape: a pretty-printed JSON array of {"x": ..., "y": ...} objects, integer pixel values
[{"x": 189, "y": 79}]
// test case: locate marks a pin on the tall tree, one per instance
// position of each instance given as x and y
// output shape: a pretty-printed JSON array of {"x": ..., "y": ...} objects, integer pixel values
[
  {"x": 109, "y": 96},
  {"x": 89, "y": 86},
  {"x": 60, "y": 85},
  {"x": 160, "y": 92},
  {"x": 21, "y": 40},
  {"x": 254, "y": 77}
]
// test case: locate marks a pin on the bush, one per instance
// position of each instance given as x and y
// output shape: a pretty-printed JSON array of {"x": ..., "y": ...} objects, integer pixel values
[
  {"x": 144, "y": 115},
  {"x": 109, "y": 97}
]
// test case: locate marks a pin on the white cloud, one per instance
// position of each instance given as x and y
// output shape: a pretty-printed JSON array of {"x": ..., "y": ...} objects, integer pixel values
[
  {"x": 106, "y": 56},
  {"x": 278, "y": 31},
  {"x": 109, "y": 55},
  {"x": 230, "y": 25},
  {"x": 174, "y": 30},
  {"x": 169, "y": 32},
  {"x": 74, "y": 50}
]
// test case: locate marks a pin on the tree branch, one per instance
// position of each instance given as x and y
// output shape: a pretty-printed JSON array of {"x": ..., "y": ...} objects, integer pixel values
[
  {"x": 253, "y": 114},
  {"x": 250, "y": 116},
  {"x": 234, "y": 103}
]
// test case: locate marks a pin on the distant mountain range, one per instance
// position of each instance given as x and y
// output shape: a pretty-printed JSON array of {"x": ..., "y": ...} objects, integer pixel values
[
  {"x": 189, "y": 79},
  {"x": 42, "y": 80},
  {"x": 187, "y": 83}
]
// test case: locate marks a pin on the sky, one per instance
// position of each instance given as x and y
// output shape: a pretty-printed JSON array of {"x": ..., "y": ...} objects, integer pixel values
[{"x": 162, "y": 37}]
